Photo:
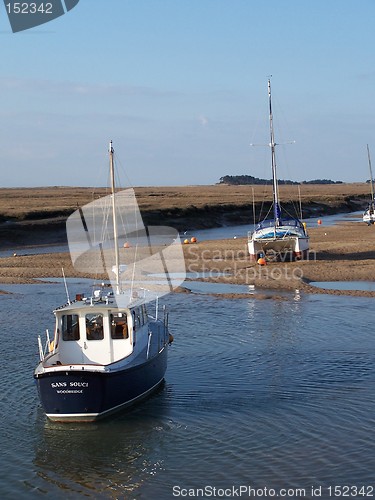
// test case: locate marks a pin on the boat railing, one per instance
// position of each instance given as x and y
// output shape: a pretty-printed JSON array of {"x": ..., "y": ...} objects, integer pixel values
[
  {"x": 166, "y": 317},
  {"x": 48, "y": 347},
  {"x": 148, "y": 344},
  {"x": 267, "y": 223}
]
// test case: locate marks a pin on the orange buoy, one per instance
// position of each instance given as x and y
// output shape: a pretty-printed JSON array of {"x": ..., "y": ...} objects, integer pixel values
[
  {"x": 126, "y": 245},
  {"x": 186, "y": 242},
  {"x": 193, "y": 239},
  {"x": 319, "y": 221},
  {"x": 262, "y": 261}
]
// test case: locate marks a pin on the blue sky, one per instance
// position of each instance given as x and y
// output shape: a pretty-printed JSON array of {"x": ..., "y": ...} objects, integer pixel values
[{"x": 180, "y": 86}]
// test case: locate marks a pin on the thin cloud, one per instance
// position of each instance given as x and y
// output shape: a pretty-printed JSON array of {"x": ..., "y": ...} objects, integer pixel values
[
  {"x": 203, "y": 120},
  {"x": 76, "y": 88}
]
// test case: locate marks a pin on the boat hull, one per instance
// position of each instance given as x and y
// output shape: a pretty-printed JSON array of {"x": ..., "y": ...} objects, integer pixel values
[
  {"x": 86, "y": 395},
  {"x": 369, "y": 217},
  {"x": 279, "y": 242}
]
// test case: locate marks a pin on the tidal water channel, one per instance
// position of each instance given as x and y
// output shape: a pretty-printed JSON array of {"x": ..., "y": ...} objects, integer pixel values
[{"x": 275, "y": 395}]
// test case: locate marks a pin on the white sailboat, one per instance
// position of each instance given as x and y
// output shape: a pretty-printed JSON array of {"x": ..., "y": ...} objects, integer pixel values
[
  {"x": 281, "y": 234},
  {"x": 369, "y": 213}
]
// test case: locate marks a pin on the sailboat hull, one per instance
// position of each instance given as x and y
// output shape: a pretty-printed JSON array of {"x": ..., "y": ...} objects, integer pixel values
[
  {"x": 278, "y": 240},
  {"x": 369, "y": 216},
  {"x": 84, "y": 395}
]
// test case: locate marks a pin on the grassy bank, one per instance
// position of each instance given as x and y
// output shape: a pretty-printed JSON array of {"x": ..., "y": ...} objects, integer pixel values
[{"x": 37, "y": 215}]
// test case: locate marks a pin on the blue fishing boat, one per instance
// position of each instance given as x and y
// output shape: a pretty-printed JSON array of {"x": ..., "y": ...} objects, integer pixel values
[{"x": 107, "y": 352}]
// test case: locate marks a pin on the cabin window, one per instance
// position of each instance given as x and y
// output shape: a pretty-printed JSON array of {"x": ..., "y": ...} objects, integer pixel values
[
  {"x": 94, "y": 327},
  {"x": 134, "y": 328},
  {"x": 135, "y": 325},
  {"x": 119, "y": 326},
  {"x": 69, "y": 327},
  {"x": 144, "y": 314},
  {"x": 140, "y": 318},
  {"x": 137, "y": 318}
]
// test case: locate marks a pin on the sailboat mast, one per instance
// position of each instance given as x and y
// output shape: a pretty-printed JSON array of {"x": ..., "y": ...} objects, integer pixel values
[
  {"x": 114, "y": 217},
  {"x": 371, "y": 178},
  {"x": 275, "y": 188}
]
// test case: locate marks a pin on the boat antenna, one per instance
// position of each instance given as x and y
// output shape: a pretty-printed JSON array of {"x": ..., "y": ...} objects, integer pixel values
[
  {"x": 66, "y": 286},
  {"x": 371, "y": 178},
  {"x": 114, "y": 216}
]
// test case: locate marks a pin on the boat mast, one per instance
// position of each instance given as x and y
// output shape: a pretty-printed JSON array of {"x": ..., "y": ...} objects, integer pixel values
[
  {"x": 114, "y": 216},
  {"x": 275, "y": 188},
  {"x": 371, "y": 178}
]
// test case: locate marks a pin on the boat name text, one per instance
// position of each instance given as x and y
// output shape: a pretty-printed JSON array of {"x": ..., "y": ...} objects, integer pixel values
[{"x": 54, "y": 385}]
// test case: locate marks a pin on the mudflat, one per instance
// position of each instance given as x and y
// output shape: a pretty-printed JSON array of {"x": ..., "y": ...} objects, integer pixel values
[{"x": 342, "y": 252}]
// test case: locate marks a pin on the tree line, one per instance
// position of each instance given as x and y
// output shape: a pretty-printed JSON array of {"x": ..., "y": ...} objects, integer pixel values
[{"x": 249, "y": 179}]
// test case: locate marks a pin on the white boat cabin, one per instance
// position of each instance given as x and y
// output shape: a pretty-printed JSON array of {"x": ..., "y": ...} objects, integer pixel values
[{"x": 97, "y": 334}]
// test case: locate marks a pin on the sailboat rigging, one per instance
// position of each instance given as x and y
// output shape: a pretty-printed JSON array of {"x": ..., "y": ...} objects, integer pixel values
[
  {"x": 369, "y": 214},
  {"x": 281, "y": 234}
]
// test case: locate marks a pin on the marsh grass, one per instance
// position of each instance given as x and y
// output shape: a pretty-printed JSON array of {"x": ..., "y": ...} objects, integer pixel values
[{"x": 46, "y": 202}]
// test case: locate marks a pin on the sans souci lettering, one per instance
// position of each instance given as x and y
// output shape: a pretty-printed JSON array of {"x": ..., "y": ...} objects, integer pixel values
[{"x": 56, "y": 385}]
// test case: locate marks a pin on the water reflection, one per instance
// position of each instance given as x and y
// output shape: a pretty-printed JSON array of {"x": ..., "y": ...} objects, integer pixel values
[{"x": 111, "y": 456}]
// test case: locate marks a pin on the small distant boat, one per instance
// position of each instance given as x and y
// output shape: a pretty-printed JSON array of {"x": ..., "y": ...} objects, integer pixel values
[
  {"x": 107, "y": 352},
  {"x": 282, "y": 234},
  {"x": 369, "y": 213}
]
